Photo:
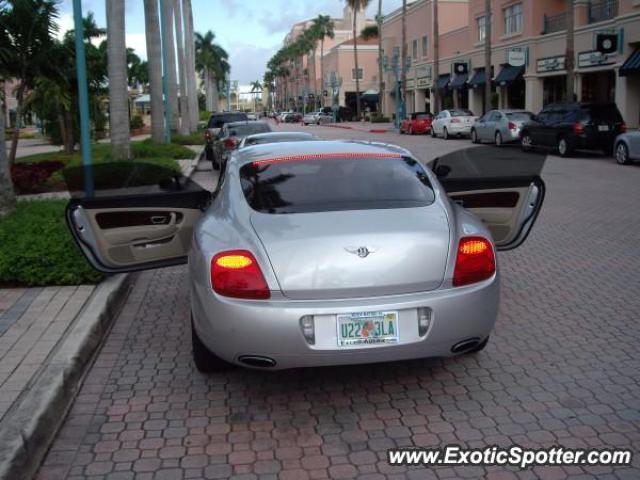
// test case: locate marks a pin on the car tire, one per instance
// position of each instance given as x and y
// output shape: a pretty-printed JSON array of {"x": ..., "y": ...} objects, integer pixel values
[
  {"x": 208, "y": 153},
  {"x": 498, "y": 139},
  {"x": 479, "y": 347},
  {"x": 205, "y": 360},
  {"x": 564, "y": 149},
  {"x": 526, "y": 142},
  {"x": 411, "y": 132},
  {"x": 622, "y": 154},
  {"x": 474, "y": 136},
  {"x": 433, "y": 133},
  {"x": 445, "y": 134}
]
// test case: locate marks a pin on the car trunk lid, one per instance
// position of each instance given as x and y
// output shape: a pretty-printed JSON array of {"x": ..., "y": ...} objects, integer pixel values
[{"x": 317, "y": 256}]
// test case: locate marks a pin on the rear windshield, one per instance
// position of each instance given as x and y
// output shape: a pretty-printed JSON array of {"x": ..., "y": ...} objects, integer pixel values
[
  {"x": 249, "y": 129},
  {"x": 460, "y": 113},
  {"x": 423, "y": 116},
  {"x": 609, "y": 114},
  {"x": 276, "y": 139},
  {"x": 519, "y": 116},
  {"x": 217, "y": 121},
  {"x": 327, "y": 185}
]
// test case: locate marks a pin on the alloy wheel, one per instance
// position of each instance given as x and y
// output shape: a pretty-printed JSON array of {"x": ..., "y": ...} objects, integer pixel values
[
  {"x": 498, "y": 139},
  {"x": 527, "y": 142},
  {"x": 622, "y": 154}
]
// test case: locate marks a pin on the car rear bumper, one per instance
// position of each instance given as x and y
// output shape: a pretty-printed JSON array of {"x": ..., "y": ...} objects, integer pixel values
[
  {"x": 459, "y": 129},
  {"x": 271, "y": 329}
]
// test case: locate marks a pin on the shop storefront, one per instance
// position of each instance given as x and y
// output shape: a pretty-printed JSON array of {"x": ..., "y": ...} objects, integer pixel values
[
  {"x": 444, "y": 92},
  {"x": 511, "y": 85},
  {"x": 554, "y": 81},
  {"x": 597, "y": 79},
  {"x": 458, "y": 86}
]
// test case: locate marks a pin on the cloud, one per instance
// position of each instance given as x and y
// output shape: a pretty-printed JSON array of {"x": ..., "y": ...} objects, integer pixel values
[
  {"x": 138, "y": 42},
  {"x": 248, "y": 62},
  {"x": 65, "y": 23}
]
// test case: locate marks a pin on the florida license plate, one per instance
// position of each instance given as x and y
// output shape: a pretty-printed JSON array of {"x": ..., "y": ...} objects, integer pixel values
[
  {"x": 603, "y": 128},
  {"x": 367, "y": 328}
]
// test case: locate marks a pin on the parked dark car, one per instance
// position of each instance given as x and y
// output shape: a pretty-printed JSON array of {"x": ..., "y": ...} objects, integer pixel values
[
  {"x": 216, "y": 121},
  {"x": 574, "y": 126},
  {"x": 230, "y": 137},
  {"x": 344, "y": 114}
]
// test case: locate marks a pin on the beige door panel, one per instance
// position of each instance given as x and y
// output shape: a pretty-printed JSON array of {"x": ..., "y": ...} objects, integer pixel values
[
  {"x": 133, "y": 244},
  {"x": 503, "y": 220}
]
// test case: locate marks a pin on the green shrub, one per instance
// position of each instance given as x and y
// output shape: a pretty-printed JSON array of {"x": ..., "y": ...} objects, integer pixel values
[
  {"x": 379, "y": 119},
  {"x": 204, "y": 116},
  {"x": 148, "y": 149},
  {"x": 136, "y": 122},
  {"x": 196, "y": 138},
  {"x": 36, "y": 248}
]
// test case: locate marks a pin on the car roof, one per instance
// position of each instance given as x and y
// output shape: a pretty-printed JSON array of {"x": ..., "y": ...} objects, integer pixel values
[
  {"x": 280, "y": 135},
  {"x": 285, "y": 149},
  {"x": 240, "y": 123}
]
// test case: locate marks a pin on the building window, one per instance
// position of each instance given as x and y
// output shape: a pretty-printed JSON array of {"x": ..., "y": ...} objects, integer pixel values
[
  {"x": 513, "y": 19},
  {"x": 414, "y": 49},
  {"x": 482, "y": 28},
  {"x": 425, "y": 45},
  {"x": 360, "y": 74}
]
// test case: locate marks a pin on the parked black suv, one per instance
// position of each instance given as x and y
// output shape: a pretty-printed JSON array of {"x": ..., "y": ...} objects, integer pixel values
[
  {"x": 215, "y": 123},
  {"x": 570, "y": 126}
]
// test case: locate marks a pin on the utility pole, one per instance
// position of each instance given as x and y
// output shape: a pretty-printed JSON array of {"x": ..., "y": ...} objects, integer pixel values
[
  {"x": 570, "y": 53},
  {"x": 436, "y": 60}
]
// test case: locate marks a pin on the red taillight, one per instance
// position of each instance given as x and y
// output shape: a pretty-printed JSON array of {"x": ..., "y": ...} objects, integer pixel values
[
  {"x": 512, "y": 126},
  {"x": 455, "y": 120},
  {"x": 578, "y": 128},
  {"x": 623, "y": 128},
  {"x": 236, "y": 274},
  {"x": 230, "y": 143},
  {"x": 475, "y": 261}
]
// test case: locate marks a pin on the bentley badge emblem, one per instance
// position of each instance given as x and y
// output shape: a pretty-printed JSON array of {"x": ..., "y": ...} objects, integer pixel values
[{"x": 362, "y": 252}]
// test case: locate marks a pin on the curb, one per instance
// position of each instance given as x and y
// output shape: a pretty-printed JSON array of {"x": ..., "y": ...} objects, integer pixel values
[
  {"x": 27, "y": 434},
  {"x": 371, "y": 130}
]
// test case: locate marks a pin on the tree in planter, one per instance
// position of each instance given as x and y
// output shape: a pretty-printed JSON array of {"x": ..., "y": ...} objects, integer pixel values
[
  {"x": 7, "y": 195},
  {"x": 356, "y": 6},
  {"x": 28, "y": 28},
  {"x": 212, "y": 63}
]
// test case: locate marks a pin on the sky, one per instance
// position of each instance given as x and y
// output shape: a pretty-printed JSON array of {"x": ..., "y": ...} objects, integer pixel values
[{"x": 251, "y": 31}]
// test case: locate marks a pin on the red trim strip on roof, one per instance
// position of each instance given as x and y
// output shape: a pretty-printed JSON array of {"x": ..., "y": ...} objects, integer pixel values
[{"x": 324, "y": 156}]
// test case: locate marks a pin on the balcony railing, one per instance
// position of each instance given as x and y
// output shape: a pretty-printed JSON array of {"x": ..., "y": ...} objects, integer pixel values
[
  {"x": 603, "y": 10},
  {"x": 554, "y": 23}
]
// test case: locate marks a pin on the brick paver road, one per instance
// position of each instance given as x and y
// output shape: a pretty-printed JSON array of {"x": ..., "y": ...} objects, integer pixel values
[{"x": 562, "y": 368}]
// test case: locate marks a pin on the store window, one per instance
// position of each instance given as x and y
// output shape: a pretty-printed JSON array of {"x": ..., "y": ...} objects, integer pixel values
[
  {"x": 360, "y": 74},
  {"x": 414, "y": 49},
  {"x": 482, "y": 28},
  {"x": 513, "y": 19},
  {"x": 425, "y": 45}
]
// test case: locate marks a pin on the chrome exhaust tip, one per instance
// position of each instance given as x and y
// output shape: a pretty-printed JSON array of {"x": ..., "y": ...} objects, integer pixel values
[
  {"x": 257, "y": 361},
  {"x": 465, "y": 345}
]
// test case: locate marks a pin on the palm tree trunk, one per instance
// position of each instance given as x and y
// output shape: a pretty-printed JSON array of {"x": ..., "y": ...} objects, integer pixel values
[
  {"x": 215, "y": 94},
  {"x": 183, "y": 103},
  {"x": 569, "y": 61},
  {"x": 16, "y": 129},
  {"x": 152, "y": 34},
  {"x": 436, "y": 60},
  {"x": 68, "y": 139},
  {"x": 169, "y": 40},
  {"x": 191, "y": 66},
  {"x": 7, "y": 194},
  {"x": 315, "y": 79},
  {"x": 355, "y": 61},
  {"x": 403, "y": 67},
  {"x": 322, "y": 68},
  {"x": 380, "y": 73},
  {"x": 487, "y": 56},
  {"x": 118, "y": 92}
]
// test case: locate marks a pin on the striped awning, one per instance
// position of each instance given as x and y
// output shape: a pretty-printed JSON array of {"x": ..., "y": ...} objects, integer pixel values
[{"x": 631, "y": 65}]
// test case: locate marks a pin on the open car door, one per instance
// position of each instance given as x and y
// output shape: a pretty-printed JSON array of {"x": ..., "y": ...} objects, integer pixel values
[
  {"x": 132, "y": 216},
  {"x": 502, "y": 186}
]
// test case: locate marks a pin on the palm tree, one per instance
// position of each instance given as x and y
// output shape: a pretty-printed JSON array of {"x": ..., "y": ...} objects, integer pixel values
[
  {"x": 324, "y": 27},
  {"x": 185, "y": 117},
  {"x": 152, "y": 34},
  {"x": 356, "y": 6},
  {"x": 118, "y": 94},
  {"x": 311, "y": 39},
  {"x": 436, "y": 59},
  {"x": 569, "y": 61},
  {"x": 487, "y": 56},
  {"x": 267, "y": 83},
  {"x": 168, "y": 39},
  {"x": 189, "y": 45},
  {"x": 256, "y": 87},
  {"x": 28, "y": 28},
  {"x": 212, "y": 63},
  {"x": 7, "y": 195},
  {"x": 403, "y": 68}
]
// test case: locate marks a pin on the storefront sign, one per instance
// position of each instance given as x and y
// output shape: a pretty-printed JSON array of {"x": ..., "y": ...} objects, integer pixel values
[
  {"x": 595, "y": 59},
  {"x": 411, "y": 83},
  {"x": 423, "y": 71},
  {"x": 550, "y": 64},
  {"x": 424, "y": 82},
  {"x": 517, "y": 56}
]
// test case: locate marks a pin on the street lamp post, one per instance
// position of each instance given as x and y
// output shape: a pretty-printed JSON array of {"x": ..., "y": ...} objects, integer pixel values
[{"x": 395, "y": 66}]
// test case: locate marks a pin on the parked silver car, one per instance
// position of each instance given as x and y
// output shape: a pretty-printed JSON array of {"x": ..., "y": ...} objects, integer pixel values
[
  {"x": 499, "y": 126},
  {"x": 627, "y": 147},
  {"x": 317, "y": 118},
  {"x": 321, "y": 253},
  {"x": 454, "y": 122}
]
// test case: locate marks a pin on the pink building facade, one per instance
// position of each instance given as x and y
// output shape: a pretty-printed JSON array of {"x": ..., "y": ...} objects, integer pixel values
[{"x": 528, "y": 54}]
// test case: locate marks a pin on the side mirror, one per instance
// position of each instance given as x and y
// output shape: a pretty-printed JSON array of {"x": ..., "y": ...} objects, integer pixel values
[{"x": 442, "y": 171}]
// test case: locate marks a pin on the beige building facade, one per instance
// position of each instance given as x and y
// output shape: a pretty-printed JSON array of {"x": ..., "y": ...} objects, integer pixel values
[{"x": 528, "y": 54}]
